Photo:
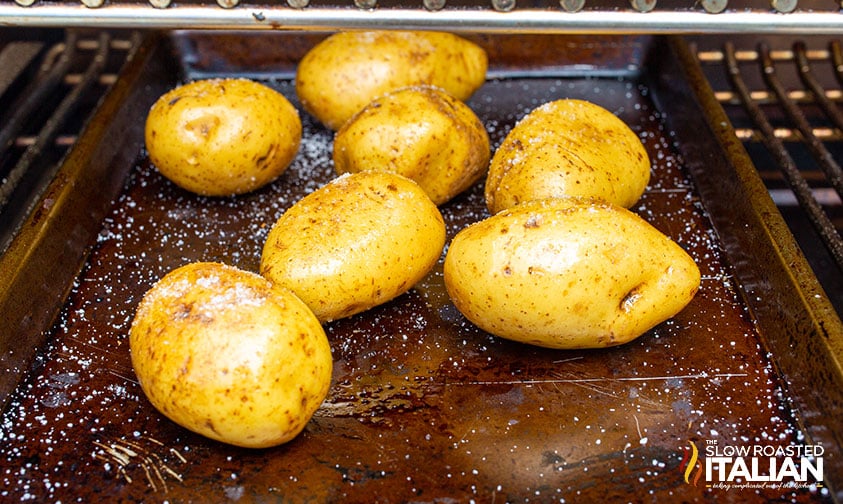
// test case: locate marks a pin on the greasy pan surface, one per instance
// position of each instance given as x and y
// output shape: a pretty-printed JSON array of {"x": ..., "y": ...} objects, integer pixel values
[{"x": 424, "y": 407}]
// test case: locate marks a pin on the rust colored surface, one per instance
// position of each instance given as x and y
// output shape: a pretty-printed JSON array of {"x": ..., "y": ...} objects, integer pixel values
[{"x": 424, "y": 407}]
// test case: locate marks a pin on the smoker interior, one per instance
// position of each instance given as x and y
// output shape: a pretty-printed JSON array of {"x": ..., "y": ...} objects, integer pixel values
[
  {"x": 424, "y": 406},
  {"x": 782, "y": 95}
]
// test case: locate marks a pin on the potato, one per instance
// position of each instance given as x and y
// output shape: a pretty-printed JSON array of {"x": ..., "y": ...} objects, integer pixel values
[
  {"x": 420, "y": 132},
  {"x": 568, "y": 148},
  {"x": 357, "y": 242},
  {"x": 568, "y": 273},
  {"x": 344, "y": 72},
  {"x": 226, "y": 354},
  {"x": 221, "y": 137}
]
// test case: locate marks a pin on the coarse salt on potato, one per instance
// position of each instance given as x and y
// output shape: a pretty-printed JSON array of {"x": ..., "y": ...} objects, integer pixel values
[{"x": 225, "y": 353}]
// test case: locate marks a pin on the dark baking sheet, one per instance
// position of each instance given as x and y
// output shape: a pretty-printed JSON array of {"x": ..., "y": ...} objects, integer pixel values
[{"x": 424, "y": 407}]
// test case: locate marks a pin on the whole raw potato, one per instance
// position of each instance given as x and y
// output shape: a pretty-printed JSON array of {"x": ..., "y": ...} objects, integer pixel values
[
  {"x": 355, "y": 243},
  {"x": 568, "y": 148},
  {"x": 226, "y": 354},
  {"x": 221, "y": 137},
  {"x": 420, "y": 132},
  {"x": 567, "y": 273},
  {"x": 344, "y": 72}
]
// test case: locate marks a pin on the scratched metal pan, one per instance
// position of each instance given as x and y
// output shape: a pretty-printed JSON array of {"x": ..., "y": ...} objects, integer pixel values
[{"x": 424, "y": 407}]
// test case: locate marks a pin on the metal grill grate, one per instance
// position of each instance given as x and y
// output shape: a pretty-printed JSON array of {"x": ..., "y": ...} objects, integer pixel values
[
  {"x": 49, "y": 88},
  {"x": 783, "y": 98},
  {"x": 530, "y": 16}
]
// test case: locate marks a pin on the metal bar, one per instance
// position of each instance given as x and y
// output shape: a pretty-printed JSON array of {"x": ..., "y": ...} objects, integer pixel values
[
  {"x": 824, "y": 158},
  {"x": 837, "y": 59},
  {"x": 526, "y": 20},
  {"x": 777, "y": 54},
  {"x": 796, "y": 95},
  {"x": 820, "y": 94},
  {"x": 52, "y": 74},
  {"x": 775, "y": 178},
  {"x": 785, "y": 198},
  {"x": 14, "y": 59},
  {"x": 802, "y": 192},
  {"x": 789, "y": 135},
  {"x": 52, "y": 127}
]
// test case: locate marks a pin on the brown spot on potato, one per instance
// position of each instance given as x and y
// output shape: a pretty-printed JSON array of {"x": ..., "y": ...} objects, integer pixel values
[
  {"x": 182, "y": 311},
  {"x": 629, "y": 299},
  {"x": 185, "y": 367},
  {"x": 265, "y": 161},
  {"x": 210, "y": 425},
  {"x": 203, "y": 126}
]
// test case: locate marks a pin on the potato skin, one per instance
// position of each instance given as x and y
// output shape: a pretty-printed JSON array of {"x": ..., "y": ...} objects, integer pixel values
[
  {"x": 224, "y": 353},
  {"x": 221, "y": 137},
  {"x": 420, "y": 132},
  {"x": 355, "y": 243},
  {"x": 344, "y": 72},
  {"x": 568, "y": 273},
  {"x": 568, "y": 148}
]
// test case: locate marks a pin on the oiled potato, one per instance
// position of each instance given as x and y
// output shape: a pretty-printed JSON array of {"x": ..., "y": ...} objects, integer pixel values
[
  {"x": 568, "y": 273},
  {"x": 568, "y": 148},
  {"x": 420, "y": 132},
  {"x": 221, "y": 137},
  {"x": 226, "y": 354},
  {"x": 344, "y": 72},
  {"x": 355, "y": 243}
]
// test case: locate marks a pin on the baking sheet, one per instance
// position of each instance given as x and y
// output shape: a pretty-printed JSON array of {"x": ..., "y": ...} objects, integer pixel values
[{"x": 424, "y": 407}]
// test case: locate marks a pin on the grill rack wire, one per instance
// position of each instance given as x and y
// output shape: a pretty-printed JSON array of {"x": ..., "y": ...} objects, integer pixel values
[
  {"x": 509, "y": 16},
  {"x": 784, "y": 102},
  {"x": 49, "y": 88}
]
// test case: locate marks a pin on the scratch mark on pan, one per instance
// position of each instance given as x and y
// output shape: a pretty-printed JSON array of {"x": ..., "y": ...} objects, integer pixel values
[
  {"x": 574, "y": 381},
  {"x": 101, "y": 350},
  {"x": 124, "y": 377},
  {"x": 562, "y": 361},
  {"x": 593, "y": 387}
]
